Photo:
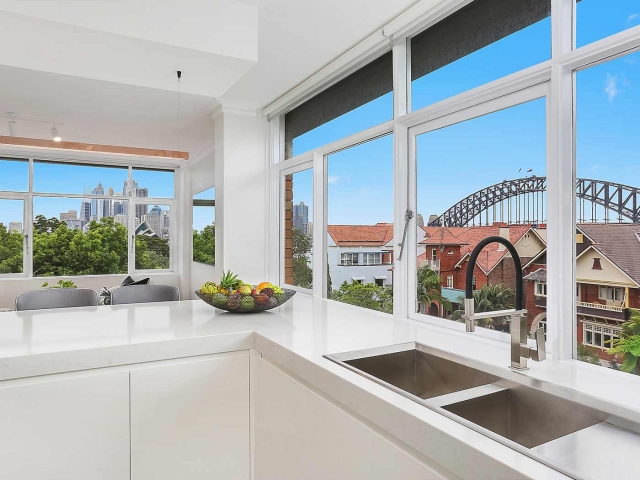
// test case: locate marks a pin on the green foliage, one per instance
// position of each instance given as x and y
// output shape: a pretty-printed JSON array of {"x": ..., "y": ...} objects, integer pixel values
[
  {"x": 302, "y": 272},
  {"x": 60, "y": 284},
  {"x": 10, "y": 251},
  {"x": 204, "y": 245},
  {"x": 588, "y": 354},
  {"x": 367, "y": 295},
  {"x": 629, "y": 343},
  {"x": 429, "y": 287},
  {"x": 59, "y": 251},
  {"x": 489, "y": 299}
]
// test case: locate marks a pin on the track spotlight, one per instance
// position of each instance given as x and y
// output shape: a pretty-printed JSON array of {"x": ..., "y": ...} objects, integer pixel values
[{"x": 55, "y": 134}]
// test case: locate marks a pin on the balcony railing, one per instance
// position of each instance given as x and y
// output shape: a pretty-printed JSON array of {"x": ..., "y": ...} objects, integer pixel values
[
  {"x": 432, "y": 264},
  {"x": 600, "y": 306}
]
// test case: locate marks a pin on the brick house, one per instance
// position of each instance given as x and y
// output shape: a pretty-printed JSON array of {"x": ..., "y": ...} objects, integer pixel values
[
  {"x": 448, "y": 250},
  {"x": 608, "y": 282}
]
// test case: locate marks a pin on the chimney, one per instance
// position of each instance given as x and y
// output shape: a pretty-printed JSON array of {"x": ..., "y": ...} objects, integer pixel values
[{"x": 504, "y": 233}]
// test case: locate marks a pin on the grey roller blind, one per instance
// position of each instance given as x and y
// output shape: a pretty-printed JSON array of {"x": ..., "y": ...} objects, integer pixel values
[
  {"x": 471, "y": 28},
  {"x": 366, "y": 84}
]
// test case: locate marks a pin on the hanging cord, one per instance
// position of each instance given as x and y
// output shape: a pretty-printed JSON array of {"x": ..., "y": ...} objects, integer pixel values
[{"x": 179, "y": 77}]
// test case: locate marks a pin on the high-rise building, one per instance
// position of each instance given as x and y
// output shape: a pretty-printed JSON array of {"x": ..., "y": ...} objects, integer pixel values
[
  {"x": 138, "y": 192},
  {"x": 85, "y": 211},
  {"x": 98, "y": 204},
  {"x": 74, "y": 223},
  {"x": 301, "y": 216},
  {"x": 121, "y": 219},
  {"x": 70, "y": 215},
  {"x": 15, "y": 227},
  {"x": 155, "y": 220}
]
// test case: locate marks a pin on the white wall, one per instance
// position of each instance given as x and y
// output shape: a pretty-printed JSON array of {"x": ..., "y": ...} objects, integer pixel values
[{"x": 10, "y": 289}]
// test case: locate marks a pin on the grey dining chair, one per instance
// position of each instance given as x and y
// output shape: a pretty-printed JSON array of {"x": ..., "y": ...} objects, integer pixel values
[
  {"x": 56, "y": 298},
  {"x": 144, "y": 294}
]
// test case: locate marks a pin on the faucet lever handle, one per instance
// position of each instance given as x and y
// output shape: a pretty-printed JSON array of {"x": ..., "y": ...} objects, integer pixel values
[{"x": 540, "y": 353}]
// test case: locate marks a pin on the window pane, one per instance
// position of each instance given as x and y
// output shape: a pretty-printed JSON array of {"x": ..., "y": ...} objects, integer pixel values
[
  {"x": 67, "y": 242},
  {"x": 11, "y": 236},
  {"x": 152, "y": 238},
  {"x": 608, "y": 206},
  {"x": 597, "y": 19},
  {"x": 360, "y": 221},
  {"x": 204, "y": 229},
  {"x": 482, "y": 42},
  {"x": 153, "y": 183},
  {"x": 502, "y": 157},
  {"x": 55, "y": 177},
  {"x": 360, "y": 101},
  {"x": 298, "y": 234},
  {"x": 15, "y": 175}
]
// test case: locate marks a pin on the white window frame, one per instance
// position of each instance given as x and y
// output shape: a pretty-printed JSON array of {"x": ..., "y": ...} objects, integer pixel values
[
  {"x": 449, "y": 281},
  {"x": 346, "y": 259},
  {"x": 98, "y": 160},
  {"x": 594, "y": 328},
  {"x": 367, "y": 260},
  {"x": 541, "y": 289},
  {"x": 552, "y": 79}
]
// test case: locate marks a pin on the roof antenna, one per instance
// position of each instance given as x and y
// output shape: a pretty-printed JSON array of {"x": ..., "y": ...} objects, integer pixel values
[{"x": 179, "y": 73}]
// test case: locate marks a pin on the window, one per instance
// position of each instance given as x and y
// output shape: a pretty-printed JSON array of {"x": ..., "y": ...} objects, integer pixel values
[
  {"x": 599, "y": 335},
  {"x": 449, "y": 281},
  {"x": 597, "y": 19},
  {"x": 473, "y": 283},
  {"x": 11, "y": 236},
  {"x": 459, "y": 167},
  {"x": 434, "y": 254},
  {"x": 379, "y": 282},
  {"x": 152, "y": 183},
  {"x": 79, "y": 179},
  {"x": 15, "y": 175},
  {"x": 481, "y": 42},
  {"x": 360, "y": 218},
  {"x": 362, "y": 100},
  {"x": 204, "y": 227},
  {"x": 298, "y": 219},
  {"x": 606, "y": 150},
  {"x": 541, "y": 289},
  {"x": 152, "y": 238},
  {"x": 372, "y": 258},
  {"x": 349, "y": 259}
]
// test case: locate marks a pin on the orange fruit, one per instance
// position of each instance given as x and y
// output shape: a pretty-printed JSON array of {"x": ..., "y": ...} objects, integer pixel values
[{"x": 263, "y": 285}]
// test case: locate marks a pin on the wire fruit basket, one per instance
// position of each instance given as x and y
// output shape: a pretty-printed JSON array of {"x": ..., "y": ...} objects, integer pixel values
[{"x": 237, "y": 303}]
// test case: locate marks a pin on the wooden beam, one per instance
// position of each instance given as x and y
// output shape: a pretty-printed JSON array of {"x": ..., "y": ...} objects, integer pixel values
[{"x": 91, "y": 147}]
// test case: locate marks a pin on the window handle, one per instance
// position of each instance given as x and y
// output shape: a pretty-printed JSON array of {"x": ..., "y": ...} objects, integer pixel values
[
  {"x": 26, "y": 242},
  {"x": 407, "y": 217},
  {"x": 133, "y": 241}
]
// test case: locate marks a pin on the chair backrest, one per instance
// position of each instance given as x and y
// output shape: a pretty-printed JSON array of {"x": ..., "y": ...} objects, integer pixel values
[
  {"x": 144, "y": 294},
  {"x": 47, "y": 298}
]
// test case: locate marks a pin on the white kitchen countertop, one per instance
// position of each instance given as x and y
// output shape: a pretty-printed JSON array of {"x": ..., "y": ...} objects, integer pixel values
[{"x": 296, "y": 336}]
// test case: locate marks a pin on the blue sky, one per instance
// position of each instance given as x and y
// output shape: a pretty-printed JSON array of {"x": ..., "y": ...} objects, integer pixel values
[{"x": 463, "y": 158}]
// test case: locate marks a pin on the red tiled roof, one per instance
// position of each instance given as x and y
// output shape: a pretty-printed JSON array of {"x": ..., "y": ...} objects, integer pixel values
[
  {"x": 441, "y": 236},
  {"x": 492, "y": 254},
  {"x": 361, "y": 235}
]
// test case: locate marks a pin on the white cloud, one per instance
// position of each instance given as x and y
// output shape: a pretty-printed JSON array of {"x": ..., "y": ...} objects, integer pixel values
[
  {"x": 595, "y": 168},
  {"x": 333, "y": 180},
  {"x": 633, "y": 18},
  {"x": 611, "y": 88}
]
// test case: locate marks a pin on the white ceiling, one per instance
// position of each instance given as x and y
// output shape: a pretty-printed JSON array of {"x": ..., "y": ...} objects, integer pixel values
[
  {"x": 298, "y": 37},
  {"x": 106, "y": 69}
]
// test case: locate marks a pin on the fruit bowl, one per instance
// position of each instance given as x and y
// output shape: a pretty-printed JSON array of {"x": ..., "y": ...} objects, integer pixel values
[{"x": 246, "y": 303}]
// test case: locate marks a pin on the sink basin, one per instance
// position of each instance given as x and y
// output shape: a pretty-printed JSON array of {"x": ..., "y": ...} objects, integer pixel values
[
  {"x": 417, "y": 372},
  {"x": 526, "y": 416}
]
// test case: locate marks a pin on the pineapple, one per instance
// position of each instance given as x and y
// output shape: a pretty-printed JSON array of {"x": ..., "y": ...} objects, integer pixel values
[
  {"x": 244, "y": 289},
  {"x": 233, "y": 302},
  {"x": 247, "y": 303},
  {"x": 228, "y": 282},
  {"x": 219, "y": 300}
]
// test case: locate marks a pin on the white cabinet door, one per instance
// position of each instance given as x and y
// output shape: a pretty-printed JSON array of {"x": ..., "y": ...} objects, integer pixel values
[
  {"x": 65, "y": 428},
  {"x": 299, "y": 435},
  {"x": 190, "y": 420}
]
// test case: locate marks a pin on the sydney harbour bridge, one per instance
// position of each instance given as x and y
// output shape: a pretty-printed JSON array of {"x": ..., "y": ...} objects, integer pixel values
[{"x": 524, "y": 201}]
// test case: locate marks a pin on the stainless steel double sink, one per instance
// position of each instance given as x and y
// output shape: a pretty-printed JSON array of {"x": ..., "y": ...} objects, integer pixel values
[{"x": 520, "y": 416}]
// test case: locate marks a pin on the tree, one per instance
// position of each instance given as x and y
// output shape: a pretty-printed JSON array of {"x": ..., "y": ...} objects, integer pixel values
[
  {"x": 44, "y": 225},
  {"x": 629, "y": 343},
  {"x": 10, "y": 251},
  {"x": 302, "y": 272},
  {"x": 588, "y": 354},
  {"x": 204, "y": 245},
  {"x": 489, "y": 299},
  {"x": 367, "y": 295},
  {"x": 429, "y": 287}
]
